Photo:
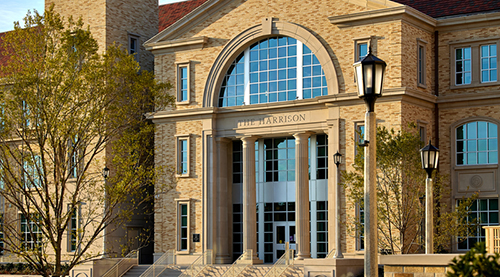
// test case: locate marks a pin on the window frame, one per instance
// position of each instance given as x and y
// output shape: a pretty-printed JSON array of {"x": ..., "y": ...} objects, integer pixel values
[
  {"x": 73, "y": 228},
  {"x": 258, "y": 88},
  {"x": 455, "y": 142},
  {"x": 131, "y": 38},
  {"x": 29, "y": 231},
  {"x": 74, "y": 163},
  {"x": 478, "y": 235},
  {"x": 369, "y": 41},
  {"x": 33, "y": 173},
  {"x": 178, "y": 247},
  {"x": 357, "y": 137},
  {"x": 179, "y": 158},
  {"x": 179, "y": 99},
  {"x": 422, "y": 63},
  {"x": 422, "y": 127},
  {"x": 475, "y": 58}
]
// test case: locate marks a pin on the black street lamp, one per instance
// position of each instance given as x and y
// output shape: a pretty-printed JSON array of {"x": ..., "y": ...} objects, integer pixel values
[
  {"x": 430, "y": 159},
  {"x": 337, "y": 159},
  {"x": 369, "y": 78},
  {"x": 105, "y": 173}
]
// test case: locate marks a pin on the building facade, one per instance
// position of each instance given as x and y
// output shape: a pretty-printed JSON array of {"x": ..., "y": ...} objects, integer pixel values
[{"x": 266, "y": 94}]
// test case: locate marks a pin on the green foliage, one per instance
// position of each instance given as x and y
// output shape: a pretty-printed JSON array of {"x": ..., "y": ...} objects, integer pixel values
[
  {"x": 476, "y": 262},
  {"x": 67, "y": 110},
  {"x": 400, "y": 192}
]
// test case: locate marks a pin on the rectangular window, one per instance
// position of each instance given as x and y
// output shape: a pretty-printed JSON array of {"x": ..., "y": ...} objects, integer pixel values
[
  {"x": 361, "y": 50},
  {"x": 1, "y": 233},
  {"x": 421, "y": 68},
  {"x": 360, "y": 230},
  {"x": 73, "y": 230},
  {"x": 279, "y": 159},
  {"x": 485, "y": 211},
  {"x": 73, "y": 158},
  {"x": 133, "y": 46},
  {"x": 33, "y": 172},
  {"x": 183, "y": 155},
  {"x": 359, "y": 135},
  {"x": 238, "y": 230},
  {"x": 489, "y": 63},
  {"x": 463, "y": 71},
  {"x": 183, "y": 83},
  {"x": 322, "y": 156},
  {"x": 322, "y": 228},
  {"x": 31, "y": 234},
  {"x": 183, "y": 232}
]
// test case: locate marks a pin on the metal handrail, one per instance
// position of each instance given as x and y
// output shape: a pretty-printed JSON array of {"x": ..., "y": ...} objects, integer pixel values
[
  {"x": 199, "y": 264},
  {"x": 122, "y": 266},
  {"x": 239, "y": 265},
  {"x": 330, "y": 254},
  {"x": 492, "y": 239},
  {"x": 160, "y": 265},
  {"x": 281, "y": 265}
]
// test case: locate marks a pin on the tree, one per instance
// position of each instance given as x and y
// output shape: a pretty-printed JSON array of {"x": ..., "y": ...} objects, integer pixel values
[
  {"x": 475, "y": 262},
  {"x": 400, "y": 194},
  {"x": 68, "y": 110}
]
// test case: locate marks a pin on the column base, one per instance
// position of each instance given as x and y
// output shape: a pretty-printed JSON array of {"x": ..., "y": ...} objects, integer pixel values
[
  {"x": 223, "y": 260},
  {"x": 303, "y": 256}
]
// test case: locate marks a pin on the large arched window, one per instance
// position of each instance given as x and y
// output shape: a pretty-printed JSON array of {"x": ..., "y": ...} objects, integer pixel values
[
  {"x": 477, "y": 143},
  {"x": 272, "y": 70}
]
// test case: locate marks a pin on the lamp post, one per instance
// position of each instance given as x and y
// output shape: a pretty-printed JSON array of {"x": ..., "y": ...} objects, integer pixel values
[
  {"x": 369, "y": 78},
  {"x": 337, "y": 159},
  {"x": 105, "y": 175},
  {"x": 430, "y": 158}
]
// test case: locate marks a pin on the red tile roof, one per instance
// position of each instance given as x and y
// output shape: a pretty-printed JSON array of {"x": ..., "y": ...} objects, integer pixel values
[
  {"x": 3, "y": 59},
  {"x": 442, "y": 8},
  {"x": 170, "y": 13}
]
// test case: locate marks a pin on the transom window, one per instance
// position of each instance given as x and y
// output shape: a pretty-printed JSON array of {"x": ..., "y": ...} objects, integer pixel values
[
  {"x": 272, "y": 70},
  {"x": 477, "y": 143}
]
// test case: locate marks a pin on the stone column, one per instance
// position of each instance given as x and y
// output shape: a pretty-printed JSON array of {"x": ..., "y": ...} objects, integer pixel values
[
  {"x": 249, "y": 197},
  {"x": 221, "y": 201},
  {"x": 302, "y": 195}
]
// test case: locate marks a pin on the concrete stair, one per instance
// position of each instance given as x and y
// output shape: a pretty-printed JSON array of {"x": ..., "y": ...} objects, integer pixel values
[
  {"x": 218, "y": 270},
  {"x": 136, "y": 271}
]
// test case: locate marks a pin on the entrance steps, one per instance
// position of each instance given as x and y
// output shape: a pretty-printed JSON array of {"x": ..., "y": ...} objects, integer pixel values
[
  {"x": 218, "y": 270},
  {"x": 136, "y": 271}
]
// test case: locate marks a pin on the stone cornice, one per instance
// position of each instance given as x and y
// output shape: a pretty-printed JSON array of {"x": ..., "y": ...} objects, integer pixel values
[
  {"x": 469, "y": 99},
  {"x": 381, "y": 15},
  {"x": 343, "y": 99},
  {"x": 471, "y": 21},
  {"x": 166, "y": 47}
]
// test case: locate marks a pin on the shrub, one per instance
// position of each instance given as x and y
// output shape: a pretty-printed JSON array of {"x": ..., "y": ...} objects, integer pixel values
[{"x": 476, "y": 262}]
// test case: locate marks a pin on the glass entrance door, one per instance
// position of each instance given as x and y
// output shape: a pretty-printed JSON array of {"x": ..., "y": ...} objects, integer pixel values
[{"x": 283, "y": 232}]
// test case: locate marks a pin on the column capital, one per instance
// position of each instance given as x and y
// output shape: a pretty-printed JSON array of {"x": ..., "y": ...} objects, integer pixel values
[
  {"x": 249, "y": 139},
  {"x": 302, "y": 135}
]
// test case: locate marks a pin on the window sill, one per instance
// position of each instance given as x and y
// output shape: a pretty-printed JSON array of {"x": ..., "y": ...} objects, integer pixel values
[
  {"x": 182, "y": 175},
  {"x": 182, "y": 252},
  {"x": 474, "y": 85},
  {"x": 183, "y": 103},
  {"x": 475, "y": 167}
]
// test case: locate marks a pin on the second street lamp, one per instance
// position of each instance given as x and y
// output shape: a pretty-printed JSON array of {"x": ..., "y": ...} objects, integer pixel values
[
  {"x": 337, "y": 159},
  {"x": 369, "y": 78},
  {"x": 430, "y": 159}
]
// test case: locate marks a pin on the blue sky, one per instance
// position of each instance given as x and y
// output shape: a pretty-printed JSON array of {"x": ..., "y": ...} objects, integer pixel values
[{"x": 16, "y": 10}]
